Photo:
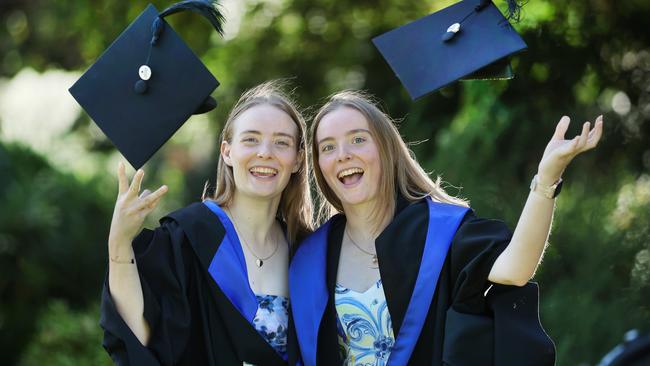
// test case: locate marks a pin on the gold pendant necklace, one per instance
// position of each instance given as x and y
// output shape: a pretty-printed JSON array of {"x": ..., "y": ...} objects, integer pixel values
[
  {"x": 375, "y": 261},
  {"x": 259, "y": 261}
]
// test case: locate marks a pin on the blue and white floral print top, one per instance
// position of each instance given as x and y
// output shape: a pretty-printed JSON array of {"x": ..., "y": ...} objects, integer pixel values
[
  {"x": 365, "y": 331},
  {"x": 271, "y": 321}
]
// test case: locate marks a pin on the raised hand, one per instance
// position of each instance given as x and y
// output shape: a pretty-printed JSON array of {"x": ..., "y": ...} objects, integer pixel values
[
  {"x": 131, "y": 207},
  {"x": 518, "y": 263},
  {"x": 559, "y": 152}
]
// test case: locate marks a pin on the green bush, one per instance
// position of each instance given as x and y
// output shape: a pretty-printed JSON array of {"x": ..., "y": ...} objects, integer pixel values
[
  {"x": 52, "y": 242},
  {"x": 65, "y": 337}
]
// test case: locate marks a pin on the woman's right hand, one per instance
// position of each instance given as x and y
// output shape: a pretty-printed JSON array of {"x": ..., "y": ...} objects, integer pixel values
[{"x": 131, "y": 208}]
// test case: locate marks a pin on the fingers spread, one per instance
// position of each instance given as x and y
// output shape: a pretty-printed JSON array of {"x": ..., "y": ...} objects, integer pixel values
[
  {"x": 123, "y": 183},
  {"x": 595, "y": 134},
  {"x": 582, "y": 139},
  {"x": 561, "y": 128},
  {"x": 148, "y": 207},
  {"x": 150, "y": 201},
  {"x": 157, "y": 194},
  {"x": 145, "y": 193},
  {"x": 571, "y": 147},
  {"x": 136, "y": 183}
]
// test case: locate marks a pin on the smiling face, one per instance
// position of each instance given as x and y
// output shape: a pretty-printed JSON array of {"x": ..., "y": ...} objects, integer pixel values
[
  {"x": 263, "y": 151},
  {"x": 348, "y": 156}
]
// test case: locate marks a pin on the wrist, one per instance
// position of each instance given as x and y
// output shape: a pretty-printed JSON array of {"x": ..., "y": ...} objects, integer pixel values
[
  {"x": 546, "y": 179},
  {"x": 121, "y": 255},
  {"x": 119, "y": 246},
  {"x": 542, "y": 187}
]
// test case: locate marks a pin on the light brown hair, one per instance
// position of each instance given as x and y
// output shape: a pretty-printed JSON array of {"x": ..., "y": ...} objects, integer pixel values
[
  {"x": 295, "y": 207},
  {"x": 400, "y": 171}
]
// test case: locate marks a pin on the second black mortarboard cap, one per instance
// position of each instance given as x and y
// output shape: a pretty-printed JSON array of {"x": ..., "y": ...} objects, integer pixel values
[
  {"x": 148, "y": 83},
  {"x": 468, "y": 40}
]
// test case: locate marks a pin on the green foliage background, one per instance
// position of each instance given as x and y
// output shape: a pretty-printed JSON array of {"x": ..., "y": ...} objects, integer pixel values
[{"x": 486, "y": 137}]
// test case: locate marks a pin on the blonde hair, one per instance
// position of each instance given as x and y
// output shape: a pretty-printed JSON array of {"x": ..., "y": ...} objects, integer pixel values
[
  {"x": 400, "y": 171},
  {"x": 295, "y": 207}
]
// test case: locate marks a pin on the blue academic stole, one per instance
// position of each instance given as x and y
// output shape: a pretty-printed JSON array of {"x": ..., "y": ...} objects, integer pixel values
[
  {"x": 309, "y": 295},
  {"x": 228, "y": 269}
]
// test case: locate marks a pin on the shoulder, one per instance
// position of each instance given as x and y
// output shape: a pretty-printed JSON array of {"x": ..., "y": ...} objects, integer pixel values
[
  {"x": 411, "y": 214},
  {"x": 190, "y": 212},
  {"x": 416, "y": 216},
  {"x": 419, "y": 209},
  {"x": 333, "y": 222},
  {"x": 195, "y": 222},
  {"x": 475, "y": 227},
  {"x": 171, "y": 222},
  {"x": 193, "y": 217},
  {"x": 319, "y": 237},
  {"x": 477, "y": 243}
]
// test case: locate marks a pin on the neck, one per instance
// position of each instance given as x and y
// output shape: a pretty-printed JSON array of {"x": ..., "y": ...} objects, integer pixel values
[
  {"x": 255, "y": 218},
  {"x": 360, "y": 223}
]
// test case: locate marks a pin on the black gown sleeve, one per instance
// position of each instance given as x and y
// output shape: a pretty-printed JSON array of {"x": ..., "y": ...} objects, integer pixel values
[
  {"x": 162, "y": 261},
  {"x": 474, "y": 249},
  {"x": 500, "y": 328}
]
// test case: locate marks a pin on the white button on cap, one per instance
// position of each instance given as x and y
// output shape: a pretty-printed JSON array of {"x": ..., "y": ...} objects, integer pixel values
[
  {"x": 454, "y": 28},
  {"x": 145, "y": 72}
]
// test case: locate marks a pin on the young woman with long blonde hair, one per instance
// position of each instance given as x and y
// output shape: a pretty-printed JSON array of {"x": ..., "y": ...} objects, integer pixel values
[
  {"x": 405, "y": 273},
  {"x": 209, "y": 285}
]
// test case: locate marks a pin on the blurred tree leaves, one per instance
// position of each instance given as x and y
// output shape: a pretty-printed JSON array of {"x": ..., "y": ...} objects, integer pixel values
[
  {"x": 66, "y": 337},
  {"x": 53, "y": 232}
]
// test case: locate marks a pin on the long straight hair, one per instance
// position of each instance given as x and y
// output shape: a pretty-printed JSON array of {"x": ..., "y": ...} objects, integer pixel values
[
  {"x": 295, "y": 207},
  {"x": 400, "y": 170}
]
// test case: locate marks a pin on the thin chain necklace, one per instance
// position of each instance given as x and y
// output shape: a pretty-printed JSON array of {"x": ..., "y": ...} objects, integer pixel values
[
  {"x": 373, "y": 255},
  {"x": 259, "y": 260}
]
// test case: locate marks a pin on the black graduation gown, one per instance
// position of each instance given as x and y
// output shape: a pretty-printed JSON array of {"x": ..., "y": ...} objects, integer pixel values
[
  {"x": 462, "y": 326},
  {"x": 193, "y": 319}
]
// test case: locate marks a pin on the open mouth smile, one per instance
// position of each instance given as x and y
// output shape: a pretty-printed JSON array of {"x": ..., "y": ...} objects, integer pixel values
[
  {"x": 263, "y": 172},
  {"x": 350, "y": 176}
]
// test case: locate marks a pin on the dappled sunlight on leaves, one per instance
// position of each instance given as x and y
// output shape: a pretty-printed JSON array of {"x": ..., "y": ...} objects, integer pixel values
[{"x": 633, "y": 200}]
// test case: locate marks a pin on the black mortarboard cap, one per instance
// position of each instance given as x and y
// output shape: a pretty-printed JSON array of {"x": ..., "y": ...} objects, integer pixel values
[
  {"x": 148, "y": 83},
  {"x": 468, "y": 40}
]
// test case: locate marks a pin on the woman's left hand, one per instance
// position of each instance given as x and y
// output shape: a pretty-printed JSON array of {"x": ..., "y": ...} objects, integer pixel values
[{"x": 559, "y": 152}]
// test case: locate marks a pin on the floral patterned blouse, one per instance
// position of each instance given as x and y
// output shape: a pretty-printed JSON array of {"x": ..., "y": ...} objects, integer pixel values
[
  {"x": 365, "y": 331},
  {"x": 271, "y": 321}
]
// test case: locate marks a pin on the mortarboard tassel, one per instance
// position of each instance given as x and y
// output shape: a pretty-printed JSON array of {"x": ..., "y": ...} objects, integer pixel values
[
  {"x": 156, "y": 29},
  {"x": 482, "y": 5},
  {"x": 514, "y": 9},
  {"x": 208, "y": 8}
]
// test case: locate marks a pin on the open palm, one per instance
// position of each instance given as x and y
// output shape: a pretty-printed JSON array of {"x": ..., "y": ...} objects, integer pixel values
[{"x": 559, "y": 152}]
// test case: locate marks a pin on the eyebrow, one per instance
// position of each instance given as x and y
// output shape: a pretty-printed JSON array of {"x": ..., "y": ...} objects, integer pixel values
[
  {"x": 255, "y": 132},
  {"x": 351, "y": 132}
]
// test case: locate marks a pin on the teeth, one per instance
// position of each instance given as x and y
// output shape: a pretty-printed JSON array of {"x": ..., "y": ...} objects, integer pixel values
[
  {"x": 350, "y": 171},
  {"x": 262, "y": 170}
]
